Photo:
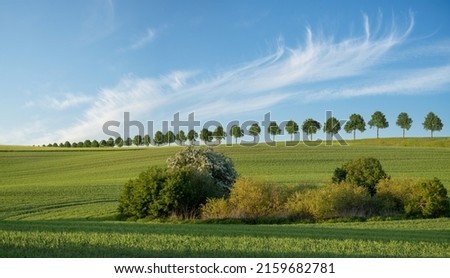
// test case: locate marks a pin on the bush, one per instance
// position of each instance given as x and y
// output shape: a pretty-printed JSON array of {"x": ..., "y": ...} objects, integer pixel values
[
  {"x": 141, "y": 197},
  {"x": 365, "y": 172},
  {"x": 216, "y": 165},
  {"x": 217, "y": 208},
  {"x": 427, "y": 198},
  {"x": 332, "y": 201},
  {"x": 249, "y": 199},
  {"x": 159, "y": 192}
]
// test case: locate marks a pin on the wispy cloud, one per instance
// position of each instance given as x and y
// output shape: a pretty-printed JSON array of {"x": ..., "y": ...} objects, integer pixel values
[
  {"x": 142, "y": 41},
  {"x": 309, "y": 72},
  {"x": 68, "y": 101}
]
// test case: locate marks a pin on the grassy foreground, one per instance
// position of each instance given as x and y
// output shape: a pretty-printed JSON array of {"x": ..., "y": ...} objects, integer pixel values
[
  {"x": 57, "y": 202},
  {"x": 414, "y": 238}
]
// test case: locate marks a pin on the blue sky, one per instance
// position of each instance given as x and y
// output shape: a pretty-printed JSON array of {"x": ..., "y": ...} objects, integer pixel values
[{"x": 67, "y": 67}]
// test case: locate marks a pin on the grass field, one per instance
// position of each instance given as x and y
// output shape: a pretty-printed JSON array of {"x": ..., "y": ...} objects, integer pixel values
[
  {"x": 63, "y": 202},
  {"x": 414, "y": 238}
]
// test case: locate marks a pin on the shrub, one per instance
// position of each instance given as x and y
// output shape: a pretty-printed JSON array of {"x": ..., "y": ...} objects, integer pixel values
[
  {"x": 430, "y": 198},
  {"x": 332, "y": 201},
  {"x": 250, "y": 199},
  {"x": 217, "y": 208},
  {"x": 216, "y": 165},
  {"x": 141, "y": 197},
  {"x": 427, "y": 198},
  {"x": 365, "y": 172},
  {"x": 159, "y": 192}
]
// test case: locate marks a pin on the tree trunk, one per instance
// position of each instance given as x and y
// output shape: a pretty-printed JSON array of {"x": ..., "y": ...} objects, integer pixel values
[
  {"x": 236, "y": 141},
  {"x": 378, "y": 133},
  {"x": 403, "y": 133},
  {"x": 431, "y": 134},
  {"x": 354, "y": 133}
]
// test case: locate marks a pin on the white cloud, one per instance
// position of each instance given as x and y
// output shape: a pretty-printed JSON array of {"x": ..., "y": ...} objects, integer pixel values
[{"x": 68, "y": 101}]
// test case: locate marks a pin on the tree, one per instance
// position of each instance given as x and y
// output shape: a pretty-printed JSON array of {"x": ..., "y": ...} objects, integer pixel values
[
  {"x": 118, "y": 140},
  {"x": 205, "y": 160},
  {"x": 291, "y": 128},
  {"x": 169, "y": 137},
  {"x": 110, "y": 142},
  {"x": 181, "y": 137},
  {"x": 79, "y": 144},
  {"x": 137, "y": 140},
  {"x": 205, "y": 135},
  {"x": 404, "y": 122},
  {"x": 159, "y": 138},
  {"x": 332, "y": 126},
  {"x": 103, "y": 143},
  {"x": 365, "y": 172},
  {"x": 120, "y": 144},
  {"x": 219, "y": 133},
  {"x": 355, "y": 122},
  {"x": 192, "y": 136},
  {"x": 67, "y": 144},
  {"x": 254, "y": 131},
  {"x": 147, "y": 140},
  {"x": 236, "y": 132},
  {"x": 74, "y": 145},
  {"x": 432, "y": 123},
  {"x": 128, "y": 142},
  {"x": 273, "y": 129},
  {"x": 310, "y": 127},
  {"x": 160, "y": 192},
  {"x": 379, "y": 121},
  {"x": 95, "y": 144},
  {"x": 87, "y": 143}
]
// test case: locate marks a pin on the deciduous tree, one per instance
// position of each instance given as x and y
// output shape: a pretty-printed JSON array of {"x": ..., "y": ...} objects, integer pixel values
[
  {"x": 291, "y": 128},
  {"x": 432, "y": 123},
  {"x": 254, "y": 131},
  {"x": 236, "y": 132},
  {"x": 273, "y": 129},
  {"x": 404, "y": 122},
  {"x": 332, "y": 126},
  {"x": 310, "y": 127},
  {"x": 378, "y": 120},
  {"x": 355, "y": 122}
]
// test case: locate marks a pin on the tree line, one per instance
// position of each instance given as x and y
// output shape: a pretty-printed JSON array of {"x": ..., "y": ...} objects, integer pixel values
[{"x": 310, "y": 126}]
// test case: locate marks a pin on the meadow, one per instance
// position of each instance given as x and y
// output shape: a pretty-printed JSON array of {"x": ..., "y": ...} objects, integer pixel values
[{"x": 57, "y": 202}]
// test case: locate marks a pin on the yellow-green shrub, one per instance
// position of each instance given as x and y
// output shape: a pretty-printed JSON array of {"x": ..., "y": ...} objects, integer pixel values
[
  {"x": 217, "y": 208},
  {"x": 251, "y": 198},
  {"x": 426, "y": 198},
  {"x": 332, "y": 201}
]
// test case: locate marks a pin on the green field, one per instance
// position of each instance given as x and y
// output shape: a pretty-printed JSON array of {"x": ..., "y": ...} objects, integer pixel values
[{"x": 63, "y": 202}]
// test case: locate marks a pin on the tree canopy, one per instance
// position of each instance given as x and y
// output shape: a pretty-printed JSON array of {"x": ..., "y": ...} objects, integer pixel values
[
  {"x": 273, "y": 129},
  {"x": 291, "y": 128},
  {"x": 310, "y": 127},
  {"x": 404, "y": 122},
  {"x": 254, "y": 131},
  {"x": 432, "y": 123},
  {"x": 378, "y": 120}
]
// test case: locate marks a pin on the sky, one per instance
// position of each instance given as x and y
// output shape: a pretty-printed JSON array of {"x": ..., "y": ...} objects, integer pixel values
[{"x": 69, "y": 67}]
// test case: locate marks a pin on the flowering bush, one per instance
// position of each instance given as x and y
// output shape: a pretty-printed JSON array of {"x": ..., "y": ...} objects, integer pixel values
[{"x": 205, "y": 160}]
